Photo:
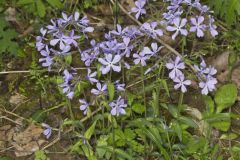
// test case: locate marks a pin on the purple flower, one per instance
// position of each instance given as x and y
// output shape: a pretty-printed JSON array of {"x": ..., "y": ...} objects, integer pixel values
[
  {"x": 88, "y": 29},
  {"x": 198, "y": 26},
  {"x": 84, "y": 106},
  {"x": 126, "y": 47},
  {"x": 149, "y": 29},
  {"x": 67, "y": 90},
  {"x": 91, "y": 76},
  {"x": 65, "y": 18},
  {"x": 71, "y": 39},
  {"x": 48, "y": 130},
  {"x": 179, "y": 24},
  {"x": 111, "y": 46},
  {"x": 131, "y": 32},
  {"x": 88, "y": 56},
  {"x": 70, "y": 95},
  {"x": 67, "y": 76},
  {"x": 181, "y": 83},
  {"x": 175, "y": 67},
  {"x": 47, "y": 61},
  {"x": 54, "y": 27},
  {"x": 208, "y": 85},
  {"x": 76, "y": 16},
  {"x": 82, "y": 22},
  {"x": 63, "y": 52},
  {"x": 139, "y": 10},
  {"x": 119, "y": 86},
  {"x": 118, "y": 107},
  {"x": 101, "y": 89},
  {"x": 119, "y": 31},
  {"x": 59, "y": 39},
  {"x": 212, "y": 27},
  {"x": 206, "y": 77},
  {"x": 110, "y": 62},
  {"x": 140, "y": 58},
  {"x": 155, "y": 49},
  {"x": 170, "y": 16}
]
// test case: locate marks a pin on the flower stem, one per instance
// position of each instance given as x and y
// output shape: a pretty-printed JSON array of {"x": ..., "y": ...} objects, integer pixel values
[
  {"x": 70, "y": 109},
  {"x": 113, "y": 137},
  {"x": 144, "y": 94},
  {"x": 180, "y": 101}
]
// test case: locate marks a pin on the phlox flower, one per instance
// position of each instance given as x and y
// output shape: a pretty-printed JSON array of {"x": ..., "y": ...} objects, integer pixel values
[
  {"x": 175, "y": 67},
  {"x": 110, "y": 62},
  {"x": 118, "y": 107}
]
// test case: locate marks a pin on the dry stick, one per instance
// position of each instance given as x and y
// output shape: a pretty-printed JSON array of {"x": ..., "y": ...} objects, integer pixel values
[
  {"x": 28, "y": 71},
  {"x": 158, "y": 39}
]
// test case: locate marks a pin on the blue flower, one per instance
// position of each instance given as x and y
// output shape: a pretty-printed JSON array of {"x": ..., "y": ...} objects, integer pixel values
[
  {"x": 118, "y": 107},
  {"x": 48, "y": 130},
  {"x": 138, "y": 9},
  {"x": 110, "y": 62},
  {"x": 84, "y": 106}
]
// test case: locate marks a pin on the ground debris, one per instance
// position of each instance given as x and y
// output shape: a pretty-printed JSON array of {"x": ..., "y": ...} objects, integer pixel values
[
  {"x": 25, "y": 142},
  {"x": 17, "y": 99}
]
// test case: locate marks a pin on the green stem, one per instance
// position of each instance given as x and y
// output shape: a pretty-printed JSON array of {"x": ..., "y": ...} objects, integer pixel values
[
  {"x": 70, "y": 110},
  {"x": 180, "y": 101},
  {"x": 144, "y": 94},
  {"x": 113, "y": 137}
]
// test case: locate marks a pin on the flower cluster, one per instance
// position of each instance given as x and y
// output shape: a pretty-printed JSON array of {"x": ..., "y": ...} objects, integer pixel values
[
  {"x": 58, "y": 40},
  {"x": 120, "y": 48},
  {"x": 206, "y": 77},
  {"x": 177, "y": 75},
  {"x": 176, "y": 19}
]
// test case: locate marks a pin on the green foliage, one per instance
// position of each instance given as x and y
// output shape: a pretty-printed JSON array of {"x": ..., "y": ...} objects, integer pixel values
[
  {"x": 138, "y": 108},
  {"x": 88, "y": 134},
  {"x": 229, "y": 10},
  {"x": 226, "y": 96},
  {"x": 39, "y": 7},
  {"x": 111, "y": 91},
  {"x": 7, "y": 36},
  {"x": 5, "y": 158},
  {"x": 40, "y": 155}
]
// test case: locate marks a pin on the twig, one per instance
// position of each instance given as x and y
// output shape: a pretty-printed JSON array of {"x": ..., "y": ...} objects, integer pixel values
[
  {"x": 28, "y": 71},
  {"x": 158, "y": 39},
  {"x": 4, "y": 117}
]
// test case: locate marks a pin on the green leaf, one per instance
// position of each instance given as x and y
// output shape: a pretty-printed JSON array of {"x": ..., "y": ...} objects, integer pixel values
[
  {"x": 226, "y": 97},
  {"x": 173, "y": 110},
  {"x": 41, "y": 9},
  {"x": 227, "y": 9},
  {"x": 55, "y": 3},
  {"x": 111, "y": 91},
  {"x": 138, "y": 108},
  {"x": 209, "y": 103},
  {"x": 68, "y": 58},
  {"x": 220, "y": 121},
  {"x": 40, "y": 155},
  {"x": 88, "y": 134},
  {"x": 177, "y": 128},
  {"x": 5, "y": 158},
  {"x": 187, "y": 121},
  {"x": 195, "y": 144},
  {"x": 229, "y": 136},
  {"x": 25, "y": 2},
  {"x": 38, "y": 116},
  {"x": 129, "y": 134},
  {"x": 7, "y": 37},
  {"x": 165, "y": 86},
  {"x": 120, "y": 153}
]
